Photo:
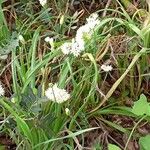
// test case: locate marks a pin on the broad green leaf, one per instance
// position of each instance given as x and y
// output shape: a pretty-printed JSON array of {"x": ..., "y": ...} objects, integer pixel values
[
  {"x": 145, "y": 142},
  {"x": 141, "y": 106},
  {"x": 113, "y": 147},
  {"x": 97, "y": 146},
  {"x": 2, "y": 147}
]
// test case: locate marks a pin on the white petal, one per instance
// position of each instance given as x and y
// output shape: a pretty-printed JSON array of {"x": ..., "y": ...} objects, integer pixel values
[
  {"x": 43, "y": 2},
  {"x": 66, "y": 47},
  {"x": 56, "y": 94},
  {"x": 106, "y": 68}
]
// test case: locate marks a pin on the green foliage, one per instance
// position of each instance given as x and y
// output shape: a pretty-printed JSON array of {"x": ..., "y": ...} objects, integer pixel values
[
  {"x": 4, "y": 32},
  {"x": 141, "y": 107},
  {"x": 97, "y": 146},
  {"x": 144, "y": 142},
  {"x": 6, "y": 42},
  {"x": 2, "y": 147},
  {"x": 30, "y": 102},
  {"x": 113, "y": 147},
  {"x": 8, "y": 45},
  {"x": 35, "y": 122}
]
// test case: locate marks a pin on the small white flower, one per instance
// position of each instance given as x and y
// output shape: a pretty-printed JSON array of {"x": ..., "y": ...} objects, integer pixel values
[
  {"x": 92, "y": 17},
  {"x": 85, "y": 29},
  {"x": 73, "y": 47},
  {"x": 50, "y": 41},
  {"x": 67, "y": 111},
  {"x": 43, "y": 2},
  {"x": 56, "y": 94},
  {"x": 106, "y": 68},
  {"x": 77, "y": 47},
  {"x": 2, "y": 91},
  {"x": 93, "y": 20},
  {"x": 78, "y": 43},
  {"x": 66, "y": 48}
]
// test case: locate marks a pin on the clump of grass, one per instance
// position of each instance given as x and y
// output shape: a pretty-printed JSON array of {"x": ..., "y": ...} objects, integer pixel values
[{"x": 31, "y": 119}]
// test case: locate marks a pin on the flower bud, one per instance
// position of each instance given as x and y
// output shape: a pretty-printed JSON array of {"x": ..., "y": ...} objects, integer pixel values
[
  {"x": 62, "y": 19},
  {"x": 21, "y": 39},
  {"x": 50, "y": 41},
  {"x": 67, "y": 111}
]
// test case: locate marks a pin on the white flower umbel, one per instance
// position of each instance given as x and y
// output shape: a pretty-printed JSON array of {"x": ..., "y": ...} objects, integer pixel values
[
  {"x": 83, "y": 30},
  {"x": 2, "y": 91},
  {"x": 43, "y": 2},
  {"x": 93, "y": 20},
  {"x": 106, "y": 68},
  {"x": 74, "y": 47},
  {"x": 77, "y": 47},
  {"x": 56, "y": 94},
  {"x": 66, "y": 48},
  {"x": 78, "y": 43},
  {"x": 88, "y": 28}
]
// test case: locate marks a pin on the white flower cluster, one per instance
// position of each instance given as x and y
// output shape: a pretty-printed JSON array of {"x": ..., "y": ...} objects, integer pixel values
[
  {"x": 56, "y": 94},
  {"x": 106, "y": 68},
  {"x": 2, "y": 91},
  {"x": 78, "y": 43},
  {"x": 43, "y": 2}
]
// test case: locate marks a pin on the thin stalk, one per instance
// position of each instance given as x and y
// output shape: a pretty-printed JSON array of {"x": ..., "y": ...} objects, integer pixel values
[
  {"x": 92, "y": 89},
  {"x": 115, "y": 85},
  {"x": 14, "y": 74},
  {"x": 132, "y": 132}
]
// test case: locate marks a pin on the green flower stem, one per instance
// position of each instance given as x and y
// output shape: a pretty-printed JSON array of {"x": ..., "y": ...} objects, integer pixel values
[
  {"x": 92, "y": 89},
  {"x": 126, "y": 146}
]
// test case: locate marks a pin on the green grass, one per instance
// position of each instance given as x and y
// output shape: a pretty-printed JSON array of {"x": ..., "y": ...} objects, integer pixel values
[{"x": 32, "y": 121}]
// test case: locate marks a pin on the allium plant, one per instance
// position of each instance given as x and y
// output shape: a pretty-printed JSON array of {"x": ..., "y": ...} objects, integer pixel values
[{"x": 77, "y": 45}]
